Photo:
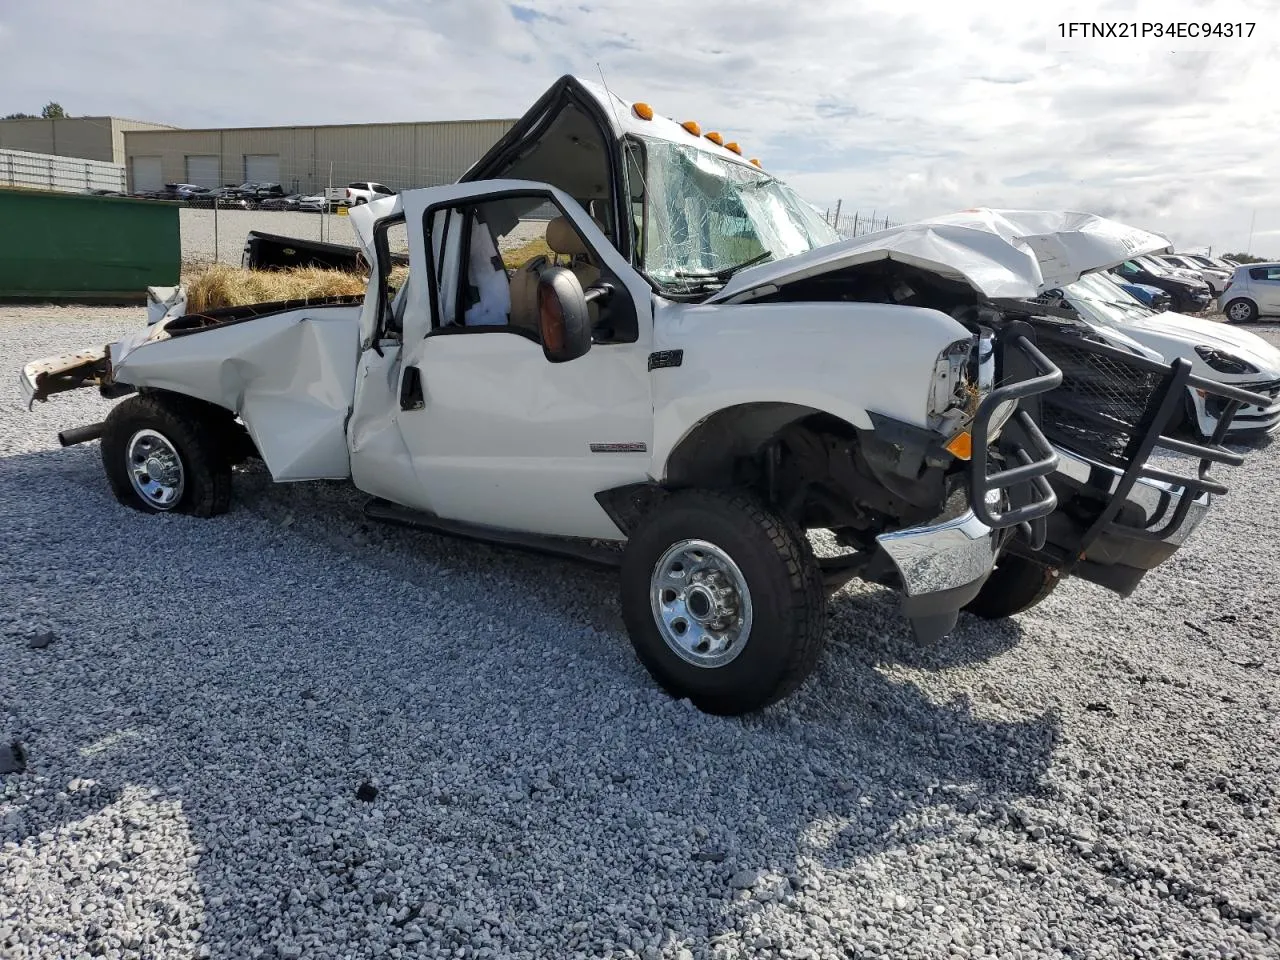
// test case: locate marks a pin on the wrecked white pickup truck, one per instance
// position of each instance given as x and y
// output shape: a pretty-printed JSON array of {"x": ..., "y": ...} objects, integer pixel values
[{"x": 702, "y": 372}]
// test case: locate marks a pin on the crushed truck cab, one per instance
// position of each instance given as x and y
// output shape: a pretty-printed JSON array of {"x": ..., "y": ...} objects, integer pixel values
[{"x": 621, "y": 341}]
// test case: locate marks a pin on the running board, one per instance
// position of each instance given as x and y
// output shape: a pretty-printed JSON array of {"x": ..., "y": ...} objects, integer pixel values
[{"x": 572, "y": 549}]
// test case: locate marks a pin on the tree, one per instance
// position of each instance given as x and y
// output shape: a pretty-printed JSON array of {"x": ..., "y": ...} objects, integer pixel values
[
  {"x": 1244, "y": 258},
  {"x": 52, "y": 111}
]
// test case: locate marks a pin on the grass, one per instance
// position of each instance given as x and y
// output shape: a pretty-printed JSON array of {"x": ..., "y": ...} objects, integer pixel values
[
  {"x": 519, "y": 256},
  {"x": 221, "y": 285}
]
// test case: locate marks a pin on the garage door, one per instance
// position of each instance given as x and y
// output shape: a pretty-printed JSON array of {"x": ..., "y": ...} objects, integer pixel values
[
  {"x": 262, "y": 167},
  {"x": 204, "y": 170},
  {"x": 147, "y": 174}
]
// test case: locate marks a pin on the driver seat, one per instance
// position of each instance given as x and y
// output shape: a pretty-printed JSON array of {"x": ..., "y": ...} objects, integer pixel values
[{"x": 564, "y": 241}]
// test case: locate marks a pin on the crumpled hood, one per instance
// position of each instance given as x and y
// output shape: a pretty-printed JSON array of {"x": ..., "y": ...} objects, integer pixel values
[
  {"x": 1000, "y": 253},
  {"x": 1248, "y": 346}
]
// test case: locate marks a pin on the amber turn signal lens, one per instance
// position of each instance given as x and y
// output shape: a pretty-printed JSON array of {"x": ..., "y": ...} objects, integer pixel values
[
  {"x": 961, "y": 445},
  {"x": 692, "y": 127},
  {"x": 715, "y": 138},
  {"x": 643, "y": 111}
]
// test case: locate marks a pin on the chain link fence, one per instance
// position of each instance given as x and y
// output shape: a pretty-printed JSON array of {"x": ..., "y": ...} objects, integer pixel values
[
  {"x": 42, "y": 171},
  {"x": 858, "y": 224}
]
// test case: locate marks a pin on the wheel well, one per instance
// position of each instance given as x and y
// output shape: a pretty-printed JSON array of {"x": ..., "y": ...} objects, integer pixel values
[
  {"x": 711, "y": 453},
  {"x": 816, "y": 469},
  {"x": 238, "y": 446}
]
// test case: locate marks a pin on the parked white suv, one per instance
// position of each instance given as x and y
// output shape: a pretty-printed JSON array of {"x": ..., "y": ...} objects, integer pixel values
[{"x": 1254, "y": 291}]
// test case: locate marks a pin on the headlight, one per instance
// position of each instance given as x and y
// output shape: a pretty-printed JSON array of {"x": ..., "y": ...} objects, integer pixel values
[
  {"x": 963, "y": 375},
  {"x": 951, "y": 395},
  {"x": 1224, "y": 362}
]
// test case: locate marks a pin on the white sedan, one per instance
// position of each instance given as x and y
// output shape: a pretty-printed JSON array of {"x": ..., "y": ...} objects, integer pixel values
[{"x": 1216, "y": 350}]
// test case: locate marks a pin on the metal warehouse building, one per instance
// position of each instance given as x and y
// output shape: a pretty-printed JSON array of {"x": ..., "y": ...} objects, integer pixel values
[
  {"x": 307, "y": 159},
  {"x": 86, "y": 138}
]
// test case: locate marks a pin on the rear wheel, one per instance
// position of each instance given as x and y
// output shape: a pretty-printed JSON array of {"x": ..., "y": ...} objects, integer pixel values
[
  {"x": 1017, "y": 584},
  {"x": 723, "y": 601},
  {"x": 166, "y": 455},
  {"x": 1241, "y": 311}
]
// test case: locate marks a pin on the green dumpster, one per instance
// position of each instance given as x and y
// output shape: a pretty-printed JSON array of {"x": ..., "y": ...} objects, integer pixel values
[{"x": 68, "y": 246}]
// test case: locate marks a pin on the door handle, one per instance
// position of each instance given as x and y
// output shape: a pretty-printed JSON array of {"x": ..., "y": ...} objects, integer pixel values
[{"x": 411, "y": 396}]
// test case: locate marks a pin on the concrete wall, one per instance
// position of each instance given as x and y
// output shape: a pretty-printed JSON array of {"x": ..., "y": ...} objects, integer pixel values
[
  {"x": 401, "y": 155},
  {"x": 86, "y": 138}
]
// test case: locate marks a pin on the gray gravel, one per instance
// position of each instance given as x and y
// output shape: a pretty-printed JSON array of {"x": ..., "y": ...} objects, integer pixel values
[{"x": 1098, "y": 778}]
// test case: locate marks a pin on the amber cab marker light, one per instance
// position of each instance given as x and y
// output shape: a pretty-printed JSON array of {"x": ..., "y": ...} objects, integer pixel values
[
  {"x": 715, "y": 138},
  {"x": 734, "y": 147},
  {"x": 755, "y": 161},
  {"x": 961, "y": 445},
  {"x": 692, "y": 127},
  {"x": 643, "y": 111}
]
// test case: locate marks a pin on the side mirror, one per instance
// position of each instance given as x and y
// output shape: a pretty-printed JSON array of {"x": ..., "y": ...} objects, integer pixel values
[{"x": 563, "y": 320}]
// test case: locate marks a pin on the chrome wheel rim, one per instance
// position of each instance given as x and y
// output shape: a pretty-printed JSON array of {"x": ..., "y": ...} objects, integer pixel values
[
  {"x": 155, "y": 469},
  {"x": 1238, "y": 311},
  {"x": 701, "y": 603}
]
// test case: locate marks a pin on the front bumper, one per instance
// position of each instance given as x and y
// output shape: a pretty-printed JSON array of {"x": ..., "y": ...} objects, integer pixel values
[
  {"x": 48, "y": 375},
  {"x": 940, "y": 568},
  {"x": 1249, "y": 419}
]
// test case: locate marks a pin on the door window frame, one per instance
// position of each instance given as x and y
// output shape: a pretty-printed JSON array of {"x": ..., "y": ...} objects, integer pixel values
[
  {"x": 383, "y": 266},
  {"x": 464, "y": 206}
]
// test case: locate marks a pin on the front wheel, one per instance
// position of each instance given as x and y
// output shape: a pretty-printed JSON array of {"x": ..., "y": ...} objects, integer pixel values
[
  {"x": 1241, "y": 311},
  {"x": 166, "y": 455},
  {"x": 1016, "y": 585},
  {"x": 723, "y": 601}
]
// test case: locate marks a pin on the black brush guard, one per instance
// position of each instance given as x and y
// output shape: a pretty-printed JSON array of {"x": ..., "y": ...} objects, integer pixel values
[
  {"x": 1116, "y": 409},
  {"x": 1024, "y": 495}
]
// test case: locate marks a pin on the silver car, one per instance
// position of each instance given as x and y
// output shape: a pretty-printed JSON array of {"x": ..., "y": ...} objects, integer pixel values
[{"x": 1254, "y": 291}]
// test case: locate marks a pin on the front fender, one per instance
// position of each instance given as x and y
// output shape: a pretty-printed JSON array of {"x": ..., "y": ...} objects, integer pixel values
[{"x": 844, "y": 359}]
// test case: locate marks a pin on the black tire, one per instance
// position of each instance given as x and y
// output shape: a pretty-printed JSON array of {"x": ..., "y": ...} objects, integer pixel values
[
  {"x": 1247, "y": 315},
  {"x": 788, "y": 603},
  {"x": 193, "y": 430},
  {"x": 1017, "y": 584}
]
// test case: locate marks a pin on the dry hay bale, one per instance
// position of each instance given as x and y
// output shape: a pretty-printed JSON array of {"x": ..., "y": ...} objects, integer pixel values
[{"x": 221, "y": 285}]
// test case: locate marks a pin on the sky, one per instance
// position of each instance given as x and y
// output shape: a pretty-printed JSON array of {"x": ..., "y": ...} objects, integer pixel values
[{"x": 909, "y": 110}]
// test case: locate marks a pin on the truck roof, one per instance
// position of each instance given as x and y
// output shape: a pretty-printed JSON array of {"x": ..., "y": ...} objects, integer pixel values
[{"x": 621, "y": 117}]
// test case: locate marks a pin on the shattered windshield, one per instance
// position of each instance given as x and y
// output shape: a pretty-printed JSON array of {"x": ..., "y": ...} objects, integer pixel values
[{"x": 706, "y": 218}]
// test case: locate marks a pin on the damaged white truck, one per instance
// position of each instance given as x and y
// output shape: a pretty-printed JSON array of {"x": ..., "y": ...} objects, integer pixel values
[{"x": 700, "y": 374}]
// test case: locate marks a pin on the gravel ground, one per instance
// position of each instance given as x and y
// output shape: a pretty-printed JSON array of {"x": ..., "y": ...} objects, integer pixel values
[
  {"x": 233, "y": 226},
  {"x": 201, "y": 701}
]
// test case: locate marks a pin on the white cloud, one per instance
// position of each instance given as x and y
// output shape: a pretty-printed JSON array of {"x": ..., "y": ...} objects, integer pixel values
[{"x": 908, "y": 109}]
